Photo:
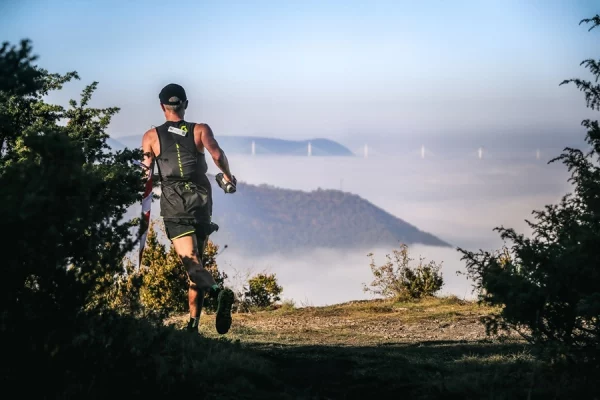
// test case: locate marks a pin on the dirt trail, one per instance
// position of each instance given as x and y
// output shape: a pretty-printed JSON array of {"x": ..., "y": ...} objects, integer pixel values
[
  {"x": 361, "y": 323},
  {"x": 384, "y": 328}
]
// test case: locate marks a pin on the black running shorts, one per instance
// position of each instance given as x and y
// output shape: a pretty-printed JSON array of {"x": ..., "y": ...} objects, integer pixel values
[
  {"x": 185, "y": 200},
  {"x": 186, "y": 209},
  {"x": 179, "y": 227}
]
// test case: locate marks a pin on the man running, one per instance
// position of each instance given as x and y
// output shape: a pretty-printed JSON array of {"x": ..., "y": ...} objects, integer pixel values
[{"x": 178, "y": 146}]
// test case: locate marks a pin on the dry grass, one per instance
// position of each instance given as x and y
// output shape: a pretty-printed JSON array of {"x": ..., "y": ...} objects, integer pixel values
[
  {"x": 435, "y": 348},
  {"x": 371, "y": 322}
]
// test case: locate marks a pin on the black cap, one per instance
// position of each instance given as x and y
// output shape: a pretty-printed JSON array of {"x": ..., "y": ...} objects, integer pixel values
[{"x": 172, "y": 95}]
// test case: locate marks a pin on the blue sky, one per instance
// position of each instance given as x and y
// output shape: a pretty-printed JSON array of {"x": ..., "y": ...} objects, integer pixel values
[{"x": 385, "y": 71}]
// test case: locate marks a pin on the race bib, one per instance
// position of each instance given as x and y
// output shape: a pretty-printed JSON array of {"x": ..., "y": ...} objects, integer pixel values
[{"x": 177, "y": 131}]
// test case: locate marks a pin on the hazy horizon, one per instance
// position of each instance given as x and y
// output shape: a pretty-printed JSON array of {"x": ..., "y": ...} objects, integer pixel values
[{"x": 383, "y": 71}]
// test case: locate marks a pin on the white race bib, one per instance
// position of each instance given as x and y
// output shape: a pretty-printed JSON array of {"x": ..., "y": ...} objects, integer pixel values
[{"x": 177, "y": 131}]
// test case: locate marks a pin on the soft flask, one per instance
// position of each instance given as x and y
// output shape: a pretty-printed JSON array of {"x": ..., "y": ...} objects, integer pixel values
[{"x": 228, "y": 187}]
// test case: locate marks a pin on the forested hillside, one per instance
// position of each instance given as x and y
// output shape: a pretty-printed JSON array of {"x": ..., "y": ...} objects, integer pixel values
[{"x": 265, "y": 219}]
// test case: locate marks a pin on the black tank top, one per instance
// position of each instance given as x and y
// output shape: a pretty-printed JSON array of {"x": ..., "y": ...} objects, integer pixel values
[
  {"x": 179, "y": 159},
  {"x": 186, "y": 190}
]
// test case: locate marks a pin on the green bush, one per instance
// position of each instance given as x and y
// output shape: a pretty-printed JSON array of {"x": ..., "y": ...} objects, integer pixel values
[
  {"x": 123, "y": 293},
  {"x": 397, "y": 279},
  {"x": 548, "y": 285},
  {"x": 64, "y": 274},
  {"x": 164, "y": 280},
  {"x": 64, "y": 196},
  {"x": 160, "y": 286},
  {"x": 263, "y": 290}
]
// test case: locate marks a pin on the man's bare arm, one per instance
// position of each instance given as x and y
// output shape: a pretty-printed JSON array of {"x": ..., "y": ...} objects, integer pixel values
[
  {"x": 212, "y": 146},
  {"x": 148, "y": 159}
]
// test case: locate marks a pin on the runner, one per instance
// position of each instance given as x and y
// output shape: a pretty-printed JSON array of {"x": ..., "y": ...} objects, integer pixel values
[{"x": 178, "y": 147}]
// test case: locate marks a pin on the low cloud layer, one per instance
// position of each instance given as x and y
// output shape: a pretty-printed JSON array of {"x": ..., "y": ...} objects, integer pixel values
[
  {"x": 327, "y": 276},
  {"x": 459, "y": 200}
]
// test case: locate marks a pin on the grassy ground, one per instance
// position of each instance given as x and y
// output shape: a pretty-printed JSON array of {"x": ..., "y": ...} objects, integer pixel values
[{"x": 432, "y": 349}]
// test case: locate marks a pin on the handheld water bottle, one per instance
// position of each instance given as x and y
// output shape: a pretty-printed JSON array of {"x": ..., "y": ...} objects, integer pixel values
[{"x": 228, "y": 187}]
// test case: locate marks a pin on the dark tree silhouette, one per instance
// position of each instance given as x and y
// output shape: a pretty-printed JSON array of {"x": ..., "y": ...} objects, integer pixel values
[{"x": 549, "y": 284}]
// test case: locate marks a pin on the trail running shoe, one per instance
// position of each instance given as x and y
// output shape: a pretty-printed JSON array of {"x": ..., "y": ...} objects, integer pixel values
[
  {"x": 224, "y": 303},
  {"x": 191, "y": 327}
]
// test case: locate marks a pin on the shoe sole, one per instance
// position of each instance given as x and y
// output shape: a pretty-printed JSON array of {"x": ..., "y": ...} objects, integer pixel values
[{"x": 224, "y": 304}]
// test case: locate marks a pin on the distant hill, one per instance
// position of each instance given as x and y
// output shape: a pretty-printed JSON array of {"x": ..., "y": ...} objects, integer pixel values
[
  {"x": 267, "y": 146},
  {"x": 262, "y": 145},
  {"x": 262, "y": 220}
]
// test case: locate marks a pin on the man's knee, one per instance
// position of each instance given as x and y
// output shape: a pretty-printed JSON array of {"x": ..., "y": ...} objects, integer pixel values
[
  {"x": 200, "y": 277},
  {"x": 189, "y": 261},
  {"x": 195, "y": 273}
]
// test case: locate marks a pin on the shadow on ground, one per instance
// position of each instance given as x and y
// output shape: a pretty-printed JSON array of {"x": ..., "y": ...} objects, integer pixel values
[
  {"x": 425, "y": 370},
  {"x": 100, "y": 357}
]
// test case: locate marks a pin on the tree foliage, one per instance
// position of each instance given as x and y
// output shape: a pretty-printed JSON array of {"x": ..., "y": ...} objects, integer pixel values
[
  {"x": 63, "y": 194},
  {"x": 165, "y": 284},
  {"x": 263, "y": 290},
  {"x": 123, "y": 295},
  {"x": 67, "y": 290},
  {"x": 397, "y": 279},
  {"x": 549, "y": 284},
  {"x": 64, "y": 197}
]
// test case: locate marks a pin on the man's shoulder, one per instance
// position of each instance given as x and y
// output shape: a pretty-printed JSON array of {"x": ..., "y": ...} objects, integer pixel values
[
  {"x": 150, "y": 135},
  {"x": 200, "y": 128},
  {"x": 199, "y": 125},
  {"x": 150, "y": 132}
]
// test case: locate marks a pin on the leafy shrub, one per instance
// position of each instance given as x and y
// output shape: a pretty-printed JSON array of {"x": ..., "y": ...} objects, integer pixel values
[
  {"x": 548, "y": 285},
  {"x": 164, "y": 280},
  {"x": 64, "y": 194},
  {"x": 263, "y": 290},
  {"x": 397, "y": 279},
  {"x": 160, "y": 286},
  {"x": 123, "y": 293}
]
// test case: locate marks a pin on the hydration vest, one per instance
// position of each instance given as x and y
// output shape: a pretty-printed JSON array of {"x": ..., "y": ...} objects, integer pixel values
[
  {"x": 185, "y": 189},
  {"x": 179, "y": 159}
]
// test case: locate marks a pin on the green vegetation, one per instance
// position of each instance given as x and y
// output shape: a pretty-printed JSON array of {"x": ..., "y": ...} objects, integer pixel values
[
  {"x": 549, "y": 284},
  {"x": 63, "y": 200},
  {"x": 160, "y": 286},
  {"x": 398, "y": 279},
  {"x": 164, "y": 283},
  {"x": 263, "y": 290}
]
